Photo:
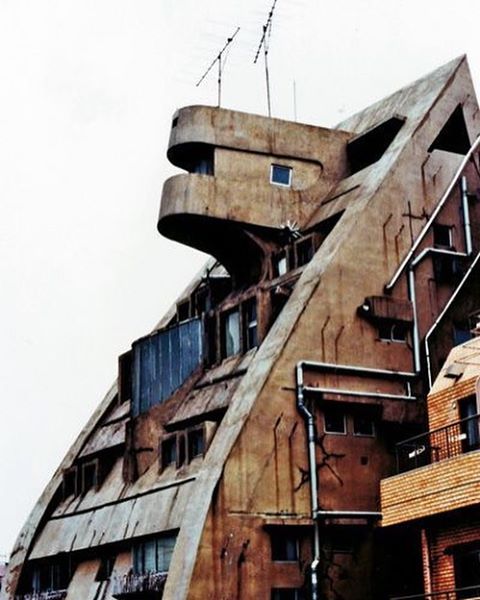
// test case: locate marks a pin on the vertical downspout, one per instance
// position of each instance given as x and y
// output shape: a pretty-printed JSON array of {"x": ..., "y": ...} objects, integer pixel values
[
  {"x": 468, "y": 251},
  {"x": 312, "y": 467},
  {"x": 416, "y": 336},
  {"x": 466, "y": 217}
]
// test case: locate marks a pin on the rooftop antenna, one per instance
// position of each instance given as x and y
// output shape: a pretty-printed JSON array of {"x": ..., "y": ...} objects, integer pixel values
[
  {"x": 218, "y": 59},
  {"x": 264, "y": 42}
]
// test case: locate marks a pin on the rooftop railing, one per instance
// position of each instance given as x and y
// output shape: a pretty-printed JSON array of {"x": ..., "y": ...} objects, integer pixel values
[
  {"x": 439, "y": 444},
  {"x": 471, "y": 592}
]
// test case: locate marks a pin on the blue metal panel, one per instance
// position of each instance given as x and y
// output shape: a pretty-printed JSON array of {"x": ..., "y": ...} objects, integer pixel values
[{"x": 163, "y": 361}]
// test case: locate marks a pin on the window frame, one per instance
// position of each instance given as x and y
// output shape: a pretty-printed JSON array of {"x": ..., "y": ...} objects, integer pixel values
[
  {"x": 224, "y": 316},
  {"x": 438, "y": 229},
  {"x": 95, "y": 464},
  {"x": 189, "y": 434},
  {"x": 344, "y": 415},
  {"x": 285, "y": 168},
  {"x": 391, "y": 326},
  {"x": 283, "y": 535},
  {"x": 356, "y": 416}
]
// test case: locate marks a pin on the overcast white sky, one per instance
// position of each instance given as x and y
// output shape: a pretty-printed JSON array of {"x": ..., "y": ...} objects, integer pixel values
[{"x": 88, "y": 88}]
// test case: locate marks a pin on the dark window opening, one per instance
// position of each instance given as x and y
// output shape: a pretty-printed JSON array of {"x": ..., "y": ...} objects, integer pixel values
[
  {"x": 461, "y": 333},
  {"x": 389, "y": 331},
  {"x": 90, "y": 475},
  {"x": 365, "y": 149},
  {"x": 169, "y": 452},
  {"x": 196, "y": 443},
  {"x": 201, "y": 301},
  {"x": 363, "y": 424},
  {"x": 154, "y": 555},
  {"x": 52, "y": 576},
  {"x": 250, "y": 324},
  {"x": 442, "y": 236},
  {"x": 467, "y": 571},
  {"x": 284, "y": 544},
  {"x": 105, "y": 569},
  {"x": 230, "y": 325},
  {"x": 281, "y": 175},
  {"x": 125, "y": 377},
  {"x": 287, "y": 594},
  {"x": 70, "y": 478},
  {"x": 174, "y": 122},
  {"x": 447, "y": 269},
  {"x": 334, "y": 420},
  {"x": 183, "y": 311},
  {"x": 304, "y": 250},
  {"x": 470, "y": 434},
  {"x": 204, "y": 166},
  {"x": 453, "y": 136}
]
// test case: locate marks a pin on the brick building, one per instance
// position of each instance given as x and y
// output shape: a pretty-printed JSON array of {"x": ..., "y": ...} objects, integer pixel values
[
  {"x": 436, "y": 495},
  {"x": 240, "y": 452}
]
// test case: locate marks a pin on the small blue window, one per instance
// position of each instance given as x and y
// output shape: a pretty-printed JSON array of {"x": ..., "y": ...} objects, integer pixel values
[{"x": 281, "y": 175}]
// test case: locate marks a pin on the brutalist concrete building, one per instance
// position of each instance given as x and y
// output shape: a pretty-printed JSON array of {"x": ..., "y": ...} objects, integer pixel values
[{"x": 240, "y": 453}]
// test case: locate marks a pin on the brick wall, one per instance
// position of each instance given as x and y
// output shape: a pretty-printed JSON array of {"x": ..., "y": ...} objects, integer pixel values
[
  {"x": 439, "y": 540},
  {"x": 442, "y": 486},
  {"x": 443, "y": 406}
]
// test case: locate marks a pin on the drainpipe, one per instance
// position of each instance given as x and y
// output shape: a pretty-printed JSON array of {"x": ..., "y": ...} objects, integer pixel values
[
  {"x": 411, "y": 281},
  {"x": 442, "y": 314},
  {"x": 466, "y": 217},
  {"x": 432, "y": 218},
  {"x": 311, "y": 438},
  {"x": 312, "y": 466}
]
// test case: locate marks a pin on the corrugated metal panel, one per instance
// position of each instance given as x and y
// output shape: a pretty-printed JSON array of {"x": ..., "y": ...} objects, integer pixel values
[
  {"x": 144, "y": 515},
  {"x": 163, "y": 361}
]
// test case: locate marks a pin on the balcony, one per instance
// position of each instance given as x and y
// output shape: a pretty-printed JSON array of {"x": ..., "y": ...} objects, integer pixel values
[
  {"x": 438, "y": 473},
  {"x": 142, "y": 586},
  {"x": 49, "y": 595},
  {"x": 472, "y": 592},
  {"x": 440, "y": 444}
]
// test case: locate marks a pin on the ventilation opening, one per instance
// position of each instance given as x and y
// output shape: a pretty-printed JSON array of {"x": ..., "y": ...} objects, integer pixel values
[
  {"x": 368, "y": 147},
  {"x": 453, "y": 136}
]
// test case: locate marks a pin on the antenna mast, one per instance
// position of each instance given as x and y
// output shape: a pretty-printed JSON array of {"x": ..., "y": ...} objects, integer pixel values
[
  {"x": 218, "y": 59},
  {"x": 264, "y": 41}
]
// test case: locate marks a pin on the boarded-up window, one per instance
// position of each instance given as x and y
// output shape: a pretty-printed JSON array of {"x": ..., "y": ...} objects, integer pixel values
[{"x": 163, "y": 361}]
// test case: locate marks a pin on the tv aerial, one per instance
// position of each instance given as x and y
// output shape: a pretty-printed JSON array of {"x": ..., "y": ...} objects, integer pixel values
[
  {"x": 264, "y": 43},
  {"x": 221, "y": 63}
]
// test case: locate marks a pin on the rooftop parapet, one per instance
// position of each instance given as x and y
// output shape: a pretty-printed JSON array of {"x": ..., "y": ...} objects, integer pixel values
[
  {"x": 208, "y": 125},
  {"x": 249, "y": 178}
]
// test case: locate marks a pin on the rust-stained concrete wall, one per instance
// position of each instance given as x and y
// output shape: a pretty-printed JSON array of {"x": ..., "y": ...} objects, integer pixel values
[{"x": 256, "y": 467}]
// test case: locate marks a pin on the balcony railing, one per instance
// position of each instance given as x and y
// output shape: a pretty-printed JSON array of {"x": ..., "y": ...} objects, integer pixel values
[
  {"x": 145, "y": 585},
  {"x": 51, "y": 595},
  {"x": 454, "y": 439},
  {"x": 471, "y": 592}
]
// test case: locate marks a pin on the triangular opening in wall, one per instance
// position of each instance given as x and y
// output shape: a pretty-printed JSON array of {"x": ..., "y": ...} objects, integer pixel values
[{"x": 453, "y": 136}]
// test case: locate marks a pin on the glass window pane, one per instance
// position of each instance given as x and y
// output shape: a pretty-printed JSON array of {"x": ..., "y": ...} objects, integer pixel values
[
  {"x": 281, "y": 175},
  {"x": 334, "y": 420},
  {"x": 150, "y": 559},
  {"x": 363, "y": 425},
  {"x": 232, "y": 333}
]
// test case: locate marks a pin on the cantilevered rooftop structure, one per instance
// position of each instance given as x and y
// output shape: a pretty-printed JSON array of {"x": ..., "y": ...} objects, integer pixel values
[{"x": 240, "y": 452}]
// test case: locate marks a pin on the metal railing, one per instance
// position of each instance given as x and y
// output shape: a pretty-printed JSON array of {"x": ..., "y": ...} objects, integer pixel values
[
  {"x": 132, "y": 583},
  {"x": 471, "y": 592},
  {"x": 50, "y": 595},
  {"x": 439, "y": 444}
]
